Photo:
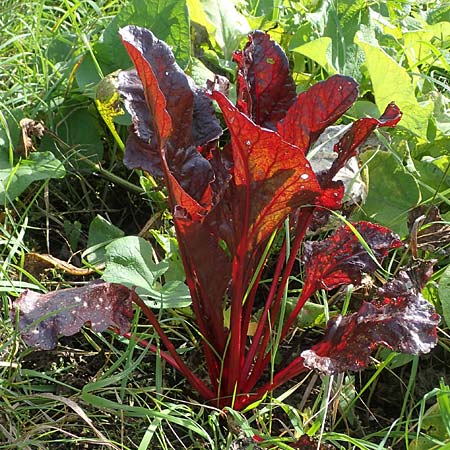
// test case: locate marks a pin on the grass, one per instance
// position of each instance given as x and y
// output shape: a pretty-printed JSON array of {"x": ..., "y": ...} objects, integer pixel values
[{"x": 105, "y": 392}]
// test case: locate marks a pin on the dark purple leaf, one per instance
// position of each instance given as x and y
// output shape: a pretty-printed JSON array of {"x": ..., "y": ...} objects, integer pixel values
[
  {"x": 265, "y": 87},
  {"x": 140, "y": 155},
  {"x": 143, "y": 49},
  {"x": 44, "y": 317},
  {"x": 192, "y": 171},
  {"x": 163, "y": 102},
  {"x": 316, "y": 109},
  {"x": 401, "y": 320},
  {"x": 341, "y": 259}
]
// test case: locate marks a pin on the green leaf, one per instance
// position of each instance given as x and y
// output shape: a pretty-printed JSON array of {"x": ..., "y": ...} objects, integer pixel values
[
  {"x": 392, "y": 191},
  {"x": 391, "y": 82},
  {"x": 200, "y": 73},
  {"x": 72, "y": 231},
  {"x": 101, "y": 233},
  {"x": 444, "y": 294},
  {"x": 441, "y": 13},
  {"x": 39, "y": 166},
  {"x": 169, "y": 244},
  {"x": 167, "y": 19},
  {"x": 230, "y": 25},
  {"x": 344, "y": 19},
  {"x": 319, "y": 51},
  {"x": 129, "y": 261},
  {"x": 432, "y": 176},
  {"x": 81, "y": 132},
  {"x": 174, "y": 294}
]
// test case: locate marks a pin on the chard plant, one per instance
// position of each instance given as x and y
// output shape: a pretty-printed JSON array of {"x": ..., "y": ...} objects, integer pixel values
[{"x": 232, "y": 195}]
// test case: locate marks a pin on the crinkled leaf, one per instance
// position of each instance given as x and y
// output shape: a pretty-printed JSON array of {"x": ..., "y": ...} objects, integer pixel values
[
  {"x": 271, "y": 176},
  {"x": 143, "y": 48},
  {"x": 166, "y": 107},
  {"x": 43, "y": 317},
  {"x": 358, "y": 133},
  {"x": 317, "y": 108},
  {"x": 265, "y": 87},
  {"x": 192, "y": 171},
  {"x": 401, "y": 320},
  {"x": 342, "y": 259}
]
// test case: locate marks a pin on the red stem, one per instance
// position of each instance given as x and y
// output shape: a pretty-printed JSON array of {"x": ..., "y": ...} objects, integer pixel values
[
  {"x": 255, "y": 345},
  {"x": 198, "y": 384},
  {"x": 198, "y": 302},
  {"x": 295, "y": 368},
  {"x": 153, "y": 348},
  {"x": 235, "y": 350},
  {"x": 248, "y": 306},
  {"x": 263, "y": 357}
]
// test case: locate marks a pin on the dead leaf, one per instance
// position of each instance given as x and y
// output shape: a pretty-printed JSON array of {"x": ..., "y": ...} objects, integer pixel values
[{"x": 29, "y": 129}]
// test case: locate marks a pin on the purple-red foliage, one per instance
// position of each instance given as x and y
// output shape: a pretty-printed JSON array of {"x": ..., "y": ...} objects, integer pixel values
[{"x": 227, "y": 203}]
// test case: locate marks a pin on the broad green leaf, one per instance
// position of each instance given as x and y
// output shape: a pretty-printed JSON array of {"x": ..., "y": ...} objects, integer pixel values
[
  {"x": 344, "y": 19},
  {"x": 416, "y": 46},
  {"x": 441, "y": 13},
  {"x": 129, "y": 261},
  {"x": 101, "y": 233},
  {"x": 444, "y": 294},
  {"x": 39, "y": 166},
  {"x": 81, "y": 132},
  {"x": 167, "y": 19},
  {"x": 319, "y": 51},
  {"x": 432, "y": 176},
  {"x": 174, "y": 294},
  {"x": 169, "y": 244},
  {"x": 391, "y": 82},
  {"x": 230, "y": 25},
  {"x": 198, "y": 15},
  {"x": 392, "y": 191},
  {"x": 200, "y": 73}
]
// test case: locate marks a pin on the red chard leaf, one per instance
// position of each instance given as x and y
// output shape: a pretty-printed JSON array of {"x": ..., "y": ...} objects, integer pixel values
[
  {"x": 358, "y": 133},
  {"x": 316, "y": 109},
  {"x": 272, "y": 177},
  {"x": 265, "y": 87},
  {"x": 142, "y": 155},
  {"x": 150, "y": 56},
  {"x": 164, "y": 103},
  {"x": 341, "y": 259},
  {"x": 192, "y": 171},
  {"x": 401, "y": 320},
  {"x": 43, "y": 317}
]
